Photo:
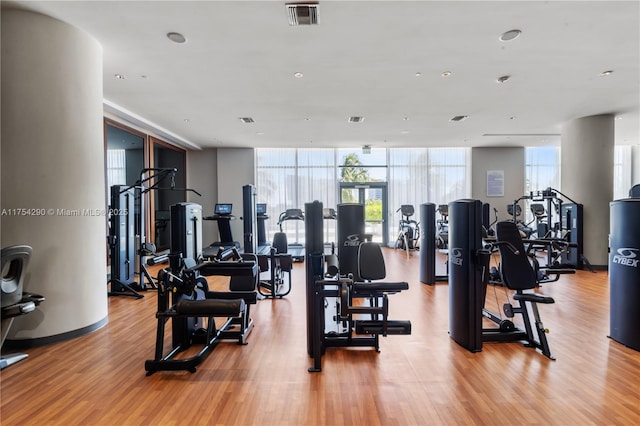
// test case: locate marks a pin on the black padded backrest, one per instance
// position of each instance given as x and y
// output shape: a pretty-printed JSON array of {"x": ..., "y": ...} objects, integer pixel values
[
  {"x": 517, "y": 272},
  {"x": 14, "y": 267},
  {"x": 371, "y": 262},
  {"x": 634, "y": 192},
  {"x": 280, "y": 242},
  {"x": 245, "y": 282}
]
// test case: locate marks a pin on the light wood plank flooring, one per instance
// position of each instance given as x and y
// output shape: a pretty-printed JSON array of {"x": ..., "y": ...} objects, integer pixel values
[{"x": 421, "y": 379}]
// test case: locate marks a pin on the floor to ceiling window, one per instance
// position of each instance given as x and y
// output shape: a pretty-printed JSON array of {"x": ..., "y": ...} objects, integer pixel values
[
  {"x": 542, "y": 171},
  {"x": 289, "y": 178},
  {"x": 622, "y": 171}
]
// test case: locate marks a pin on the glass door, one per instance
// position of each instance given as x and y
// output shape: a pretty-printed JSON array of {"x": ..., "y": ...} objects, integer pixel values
[{"x": 374, "y": 197}]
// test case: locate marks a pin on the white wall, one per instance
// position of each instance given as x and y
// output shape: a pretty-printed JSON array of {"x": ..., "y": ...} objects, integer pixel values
[
  {"x": 508, "y": 159},
  {"x": 236, "y": 168},
  {"x": 202, "y": 175},
  {"x": 53, "y": 159}
]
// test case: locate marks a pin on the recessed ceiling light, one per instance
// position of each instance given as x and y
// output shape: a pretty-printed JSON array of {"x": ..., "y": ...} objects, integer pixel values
[
  {"x": 459, "y": 118},
  {"x": 418, "y": 74},
  {"x": 503, "y": 78},
  {"x": 307, "y": 119},
  {"x": 186, "y": 120},
  {"x": 405, "y": 132},
  {"x": 446, "y": 74},
  {"x": 512, "y": 118},
  {"x": 176, "y": 37},
  {"x": 298, "y": 74},
  {"x": 510, "y": 35},
  {"x": 405, "y": 119},
  {"x": 246, "y": 119},
  {"x": 606, "y": 73},
  {"x": 356, "y": 119},
  {"x": 119, "y": 76}
]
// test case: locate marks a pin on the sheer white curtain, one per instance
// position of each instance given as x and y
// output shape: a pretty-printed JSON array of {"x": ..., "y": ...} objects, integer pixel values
[
  {"x": 288, "y": 178},
  {"x": 421, "y": 175},
  {"x": 116, "y": 167},
  {"x": 542, "y": 170},
  {"x": 622, "y": 167}
]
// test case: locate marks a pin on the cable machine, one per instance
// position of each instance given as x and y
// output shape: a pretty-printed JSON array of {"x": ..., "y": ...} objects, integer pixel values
[{"x": 129, "y": 250}]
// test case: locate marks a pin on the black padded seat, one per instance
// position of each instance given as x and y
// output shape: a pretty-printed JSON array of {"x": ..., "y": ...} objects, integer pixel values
[
  {"x": 210, "y": 307},
  {"x": 250, "y": 297},
  {"x": 380, "y": 287}
]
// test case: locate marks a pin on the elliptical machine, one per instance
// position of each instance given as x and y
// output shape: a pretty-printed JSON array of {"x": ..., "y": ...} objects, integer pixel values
[
  {"x": 409, "y": 229},
  {"x": 442, "y": 234}
]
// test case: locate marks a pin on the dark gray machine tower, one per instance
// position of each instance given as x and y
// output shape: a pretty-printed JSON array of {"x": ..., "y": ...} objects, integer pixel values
[
  {"x": 350, "y": 236},
  {"x": 624, "y": 272},
  {"x": 249, "y": 219},
  {"x": 428, "y": 243},
  {"x": 466, "y": 292},
  {"x": 186, "y": 230},
  {"x": 122, "y": 237},
  {"x": 572, "y": 220}
]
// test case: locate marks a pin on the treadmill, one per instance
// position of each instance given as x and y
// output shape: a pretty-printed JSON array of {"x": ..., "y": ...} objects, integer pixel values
[
  {"x": 222, "y": 215},
  {"x": 296, "y": 250}
]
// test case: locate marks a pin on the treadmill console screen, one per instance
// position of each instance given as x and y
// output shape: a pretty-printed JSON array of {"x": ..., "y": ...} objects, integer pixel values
[{"x": 222, "y": 209}]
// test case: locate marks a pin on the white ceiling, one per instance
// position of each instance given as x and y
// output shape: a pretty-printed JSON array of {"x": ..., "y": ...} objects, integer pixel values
[{"x": 362, "y": 60}]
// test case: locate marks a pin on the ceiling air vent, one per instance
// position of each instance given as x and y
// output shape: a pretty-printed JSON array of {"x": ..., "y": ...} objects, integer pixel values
[
  {"x": 459, "y": 118},
  {"x": 356, "y": 119},
  {"x": 302, "y": 13},
  {"x": 246, "y": 119}
]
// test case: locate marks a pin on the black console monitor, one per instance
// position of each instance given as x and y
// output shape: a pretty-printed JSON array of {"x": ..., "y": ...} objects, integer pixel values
[
  {"x": 261, "y": 209},
  {"x": 223, "y": 209}
]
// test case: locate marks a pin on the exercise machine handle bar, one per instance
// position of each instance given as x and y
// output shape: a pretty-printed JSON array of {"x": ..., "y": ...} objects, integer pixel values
[{"x": 492, "y": 244}]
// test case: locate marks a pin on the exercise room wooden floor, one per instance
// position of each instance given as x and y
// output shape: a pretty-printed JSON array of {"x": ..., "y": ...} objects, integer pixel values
[{"x": 421, "y": 379}]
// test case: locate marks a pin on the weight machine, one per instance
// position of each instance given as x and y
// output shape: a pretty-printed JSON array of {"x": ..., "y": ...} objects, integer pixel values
[
  {"x": 129, "y": 251},
  {"x": 185, "y": 299},
  {"x": 346, "y": 289},
  {"x": 468, "y": 276},
  {"x": 191, "y": 301},
  {"x": 563, "y": 229}
]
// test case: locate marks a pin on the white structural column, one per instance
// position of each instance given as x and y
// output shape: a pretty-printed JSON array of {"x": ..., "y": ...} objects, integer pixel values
[
  {"x": 53, "y": 188},
  {"x": 587, "y": 177}
]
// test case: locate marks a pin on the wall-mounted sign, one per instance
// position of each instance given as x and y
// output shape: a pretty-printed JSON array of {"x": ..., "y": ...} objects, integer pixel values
[{"x": 495, "y": 183}]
